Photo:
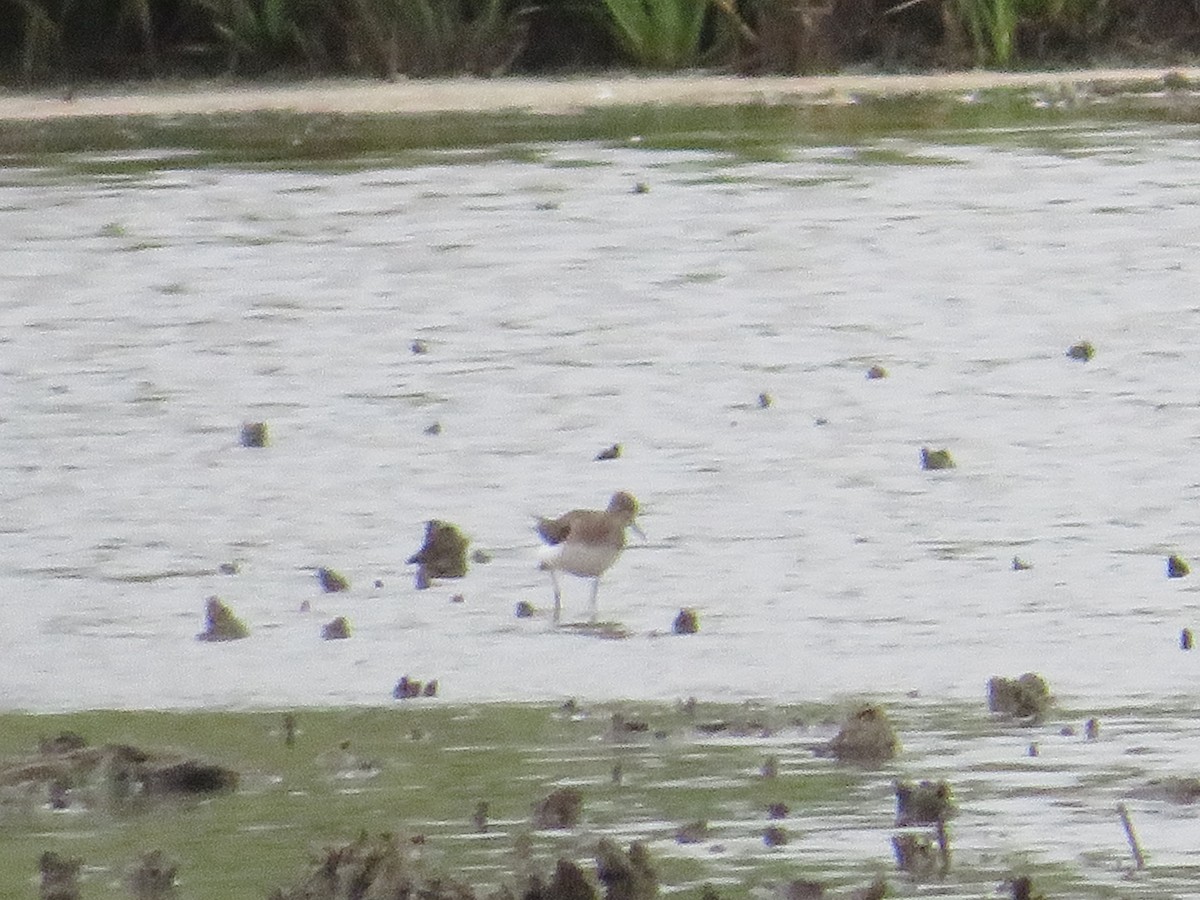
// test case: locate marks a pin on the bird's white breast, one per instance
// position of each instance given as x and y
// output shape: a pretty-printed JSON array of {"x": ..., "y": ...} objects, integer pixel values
[{"x": 587, "y": 560}]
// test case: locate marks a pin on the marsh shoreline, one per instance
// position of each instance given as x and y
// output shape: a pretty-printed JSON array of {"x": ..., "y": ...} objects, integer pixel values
[{"x": 546, "y": 96}]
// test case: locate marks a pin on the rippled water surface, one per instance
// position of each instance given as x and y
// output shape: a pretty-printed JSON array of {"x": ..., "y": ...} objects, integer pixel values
[{"x": 145, "y": 314}]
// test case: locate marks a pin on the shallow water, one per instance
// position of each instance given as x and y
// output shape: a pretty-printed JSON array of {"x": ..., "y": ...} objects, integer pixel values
[{"x": 145, "y": 314}]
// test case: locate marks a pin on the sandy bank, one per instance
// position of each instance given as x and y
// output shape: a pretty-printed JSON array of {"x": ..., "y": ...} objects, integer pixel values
[{"x": 535, "y": 95}]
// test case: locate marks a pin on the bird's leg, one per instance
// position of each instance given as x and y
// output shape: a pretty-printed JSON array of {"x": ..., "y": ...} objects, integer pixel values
[
  {"x": 557, "y": 596},
  {"x": 595, "y": 591}
]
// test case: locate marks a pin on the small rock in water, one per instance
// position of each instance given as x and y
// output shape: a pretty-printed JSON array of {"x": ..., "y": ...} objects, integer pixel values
[
  {"x": 1082, "y": 351},
  {"x": 560, "y": 808},
  {"x": 480, "y": 556},
  {"x": 1027, "y": 697},
  {"x": 641, "y": 187},
  {"x": 876, "y": 371},
  {"x": 686, "y": 622},
  {"x": 936, "y": 459},
  {"x": 774, "y": 836},
  {"x": 777, "y": 811},
  {"x": 613, "y": 452},
  {"x": 418, "y": 347},
  {"x": 406, "y": 689},
  {"x": 1177, "y": 567},
  {"x": 433, "y": 429},
  {"x": 626, "y": 875},
  {"x": 1022, "y": 889},
  {"x": 1185, "y": 639},
  {"x": 770, "y": 767},
  {"x": 254, "y": 434},
  {"x": 228, "y": 568},
  {"x": 220, "y": 623},
  {"x": 152, "y": 877},
  {"x": 1091, "y": 729},
  {"x": 289, "y": 730},
  {"x": 926, "y": 803},
  {"x": 444, "y": 552},
  {"x": 431, "y": 688},
  {"x": 59, "y": 876},
  {"x": 802, "y": 889},
  {"x": 866, "y": 738},
  {"x": 524, "y": 609},
  {"x": 337, "y": 630},
  {"x": 915, "y": 854},
  {"x": 59, "y": 794},
  {"x": 764, "y": 400},
  {"x": 692, "y": 833},
  {"x": 1019, "y": 565},
  {"x": 331, "y": 581},
  {"x": 480, "y": 817}
]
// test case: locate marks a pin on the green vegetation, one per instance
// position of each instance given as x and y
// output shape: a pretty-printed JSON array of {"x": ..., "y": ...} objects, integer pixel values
[
  {"x": 873, "y": 130},
  {"x": 415, "y": 771},
  {"x": 68, "y": 41},
  {"x": 659, "y": 34},
  {"x": 700, "y": 783}
]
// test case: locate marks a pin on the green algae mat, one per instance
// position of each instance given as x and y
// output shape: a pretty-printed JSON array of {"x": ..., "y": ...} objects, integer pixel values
[{"x": 734, "y": 800}]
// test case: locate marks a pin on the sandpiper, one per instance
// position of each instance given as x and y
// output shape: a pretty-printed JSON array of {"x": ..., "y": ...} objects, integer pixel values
[{"x": 586, "y": 542}]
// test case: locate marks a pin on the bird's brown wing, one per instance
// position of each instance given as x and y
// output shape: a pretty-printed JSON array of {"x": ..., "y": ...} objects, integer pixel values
[{"x": 554, "y": 531}]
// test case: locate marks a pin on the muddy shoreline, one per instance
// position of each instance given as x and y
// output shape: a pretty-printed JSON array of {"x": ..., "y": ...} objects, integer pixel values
[{"x": 545, "y": 96}]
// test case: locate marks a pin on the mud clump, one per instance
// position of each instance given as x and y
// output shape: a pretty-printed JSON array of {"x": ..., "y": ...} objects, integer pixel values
[
  {"x": 915, "y": 854},
  {"x": 1026, "y": 698},
  {"x": 567, "y": 883},
  {"x": 1022, "y": 888},
  {"x": 561, "y": 808},
  {"x": 220, "y": 623},
  {"x": 408, "y": 688},
  {"x": 866, "y": 738},
  {"x": 59, "y": 877},
  {"x": 686, "y": 622},
  {"x": 927, "y": 803},
  {"x": 692, "y": 832},
  {"x": 802, "y": 889},
  {"x": 936, "y": 459},
  {"x": 114, "y": 774},
  {"x": 337, "y": 630},
  {"x": 63, "y": 742},
  {"x": 775, "y": 836},
  {"x": 254, "y": 434},
  {"x": 332, "y": 582},
  {"x": 152, "y": 877},
  {"x": 1082, "y": 351},
  {"x": 625, "y": 875},
  {"x": 380, "y": 867},
  {"x": 1175, "y": 788},
  {"x": 443, "y": 555}
]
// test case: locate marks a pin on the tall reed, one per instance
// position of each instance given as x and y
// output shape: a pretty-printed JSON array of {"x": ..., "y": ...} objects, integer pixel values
[
  {"x": 659, "y": 34},
  {"x": 436, "y": 37}
]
